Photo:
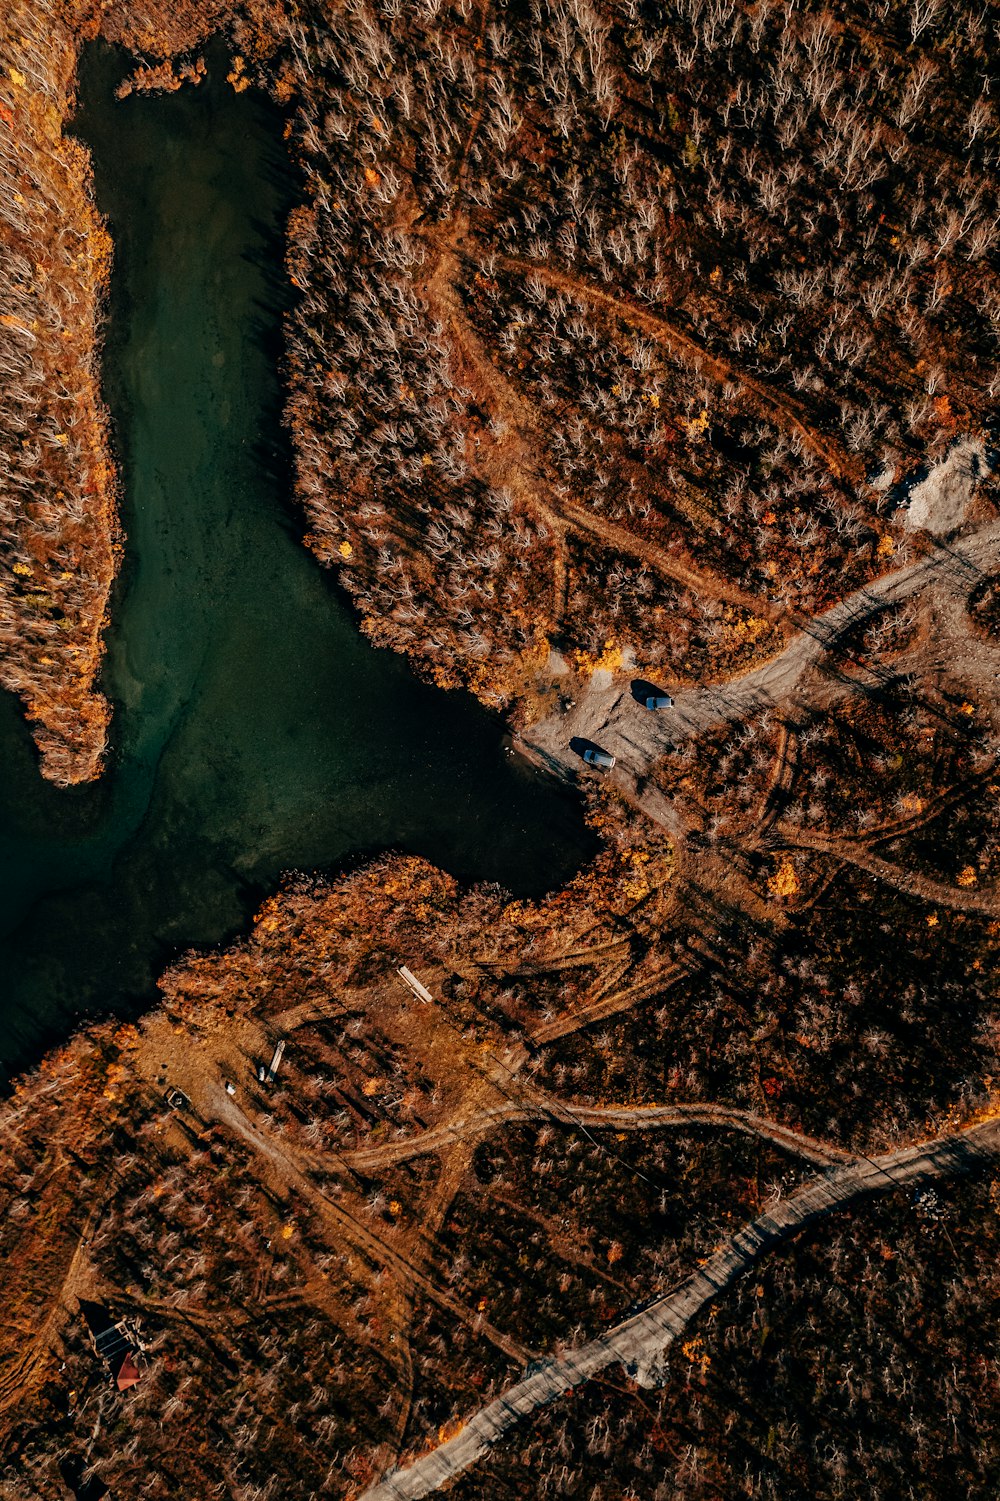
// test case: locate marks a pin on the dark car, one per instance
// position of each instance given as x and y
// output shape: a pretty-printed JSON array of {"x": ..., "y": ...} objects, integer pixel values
[
  {"x": 658, "y": 701},
  {"x": 594, "y": 756}
]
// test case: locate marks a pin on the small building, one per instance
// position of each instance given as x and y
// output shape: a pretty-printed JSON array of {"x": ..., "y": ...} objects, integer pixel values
[{"x": 117, "y": 1343}]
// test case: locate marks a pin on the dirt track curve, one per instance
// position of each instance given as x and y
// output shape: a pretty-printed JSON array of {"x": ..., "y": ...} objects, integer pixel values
[
  {"x": 778, "y": 405},
  {"x": 291, "y": 1172},
  {"x": 639, "y": 1343},
  {"x": 611, "y": 1118}
]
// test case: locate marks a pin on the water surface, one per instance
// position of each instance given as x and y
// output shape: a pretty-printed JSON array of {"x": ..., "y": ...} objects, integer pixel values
[{"x": 255, "y": 729}]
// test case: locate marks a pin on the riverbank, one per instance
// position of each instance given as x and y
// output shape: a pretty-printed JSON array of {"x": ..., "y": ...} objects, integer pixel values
[
  {"x": 255, "y": 729},
  {"x": 59, "y": 498},
  {"x": 60, "y": 524},
  {"x": 596, "y": 331},
  {"x": 423, "y": 1202}
]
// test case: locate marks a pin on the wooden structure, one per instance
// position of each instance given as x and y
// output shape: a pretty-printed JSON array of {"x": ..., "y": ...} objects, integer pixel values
[
  {"x": 275, "y": 1061},
  {"x": 420, "y": 991},
  {"x": 119, "y": 1344}
]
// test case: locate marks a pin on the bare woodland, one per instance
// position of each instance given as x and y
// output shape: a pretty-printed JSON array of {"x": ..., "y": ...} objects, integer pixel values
[{"x": 632, "y": 341}]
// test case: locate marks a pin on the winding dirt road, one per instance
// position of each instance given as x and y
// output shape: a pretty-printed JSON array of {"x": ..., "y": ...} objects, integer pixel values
[
  {"x": 509, "y": 455},
  {"x": 18, "y": 1381},
  {"x": 910, "y": 882},
  {"x": 782, "y": 408},
  {"x": 640, "y": 1342},
  {"x": 611, "y": 1118}
]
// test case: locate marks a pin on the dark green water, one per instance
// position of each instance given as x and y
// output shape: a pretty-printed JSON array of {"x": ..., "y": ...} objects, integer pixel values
[{"x": 255, "y": 730}]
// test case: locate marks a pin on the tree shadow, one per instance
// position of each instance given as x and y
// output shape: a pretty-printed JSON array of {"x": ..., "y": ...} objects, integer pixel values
[{"x": 85, "y": 1487}]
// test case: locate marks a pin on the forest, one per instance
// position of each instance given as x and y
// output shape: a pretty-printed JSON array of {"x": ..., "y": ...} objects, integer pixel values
[{"x": 634, "y": 345}]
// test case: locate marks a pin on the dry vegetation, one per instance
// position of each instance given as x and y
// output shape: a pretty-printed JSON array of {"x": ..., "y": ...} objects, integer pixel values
[
  {"x": 631, "y": 298},
  {"x": 59, "y": 531},
  {"x": 432, "y": 1195},
  {"x": 619, "y": 328},
  {"x": 58, "y": 528},
  {"x": 849, "y": 1366}
]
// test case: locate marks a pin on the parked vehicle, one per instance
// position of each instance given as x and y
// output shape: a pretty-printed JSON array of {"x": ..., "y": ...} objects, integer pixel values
[
  {"x": 658, "y": 701},
  {"x": 594, "y": 756}
]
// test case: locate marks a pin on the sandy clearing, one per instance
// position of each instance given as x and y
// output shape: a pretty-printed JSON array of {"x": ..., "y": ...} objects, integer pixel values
[{"x": 939, "y": 503}]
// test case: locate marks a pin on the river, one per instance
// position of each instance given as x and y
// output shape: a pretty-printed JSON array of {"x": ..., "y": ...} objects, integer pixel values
[{"x": 255, "y": 730}]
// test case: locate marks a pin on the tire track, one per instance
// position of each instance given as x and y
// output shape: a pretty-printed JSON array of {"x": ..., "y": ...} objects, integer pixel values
[{"x": 537, "y": 1106}]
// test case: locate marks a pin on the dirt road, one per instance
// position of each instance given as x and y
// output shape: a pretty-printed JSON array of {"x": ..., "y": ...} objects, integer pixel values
[
  {"x": 538, "y": 1106},
  {"x": 611, "y": 717},
  {"x": 639, "y": 1343},
  {"x": 911, "y": 882},
  {"x": 782, "y": 408},
  {"x": 290, "y": 1171}
]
